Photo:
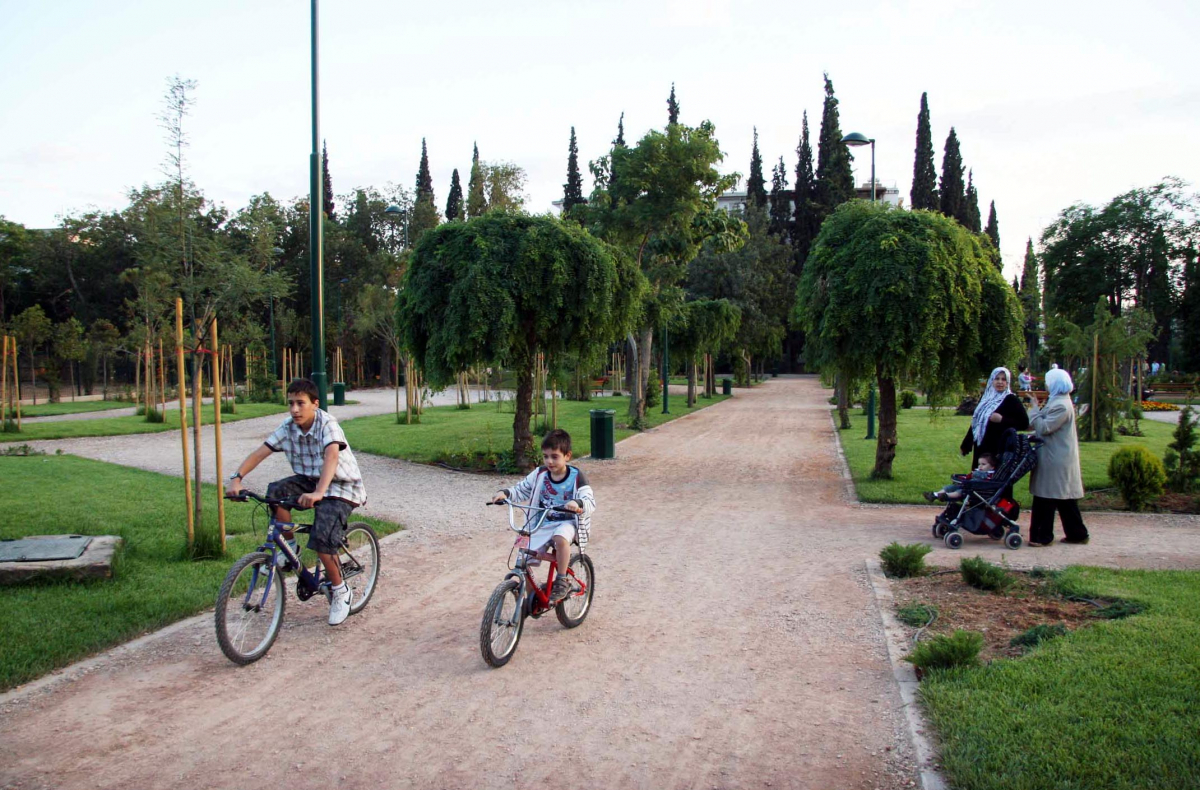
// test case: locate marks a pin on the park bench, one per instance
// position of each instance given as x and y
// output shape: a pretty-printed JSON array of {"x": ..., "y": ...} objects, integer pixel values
[
  {"x": 1167, "y": 388},
  {"x": 598, "y": 386}
]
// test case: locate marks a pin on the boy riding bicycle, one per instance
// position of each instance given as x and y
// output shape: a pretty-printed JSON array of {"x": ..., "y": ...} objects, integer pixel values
[
  {"x": 327, "y": 479},
  {"x": 557, "y": 483}
]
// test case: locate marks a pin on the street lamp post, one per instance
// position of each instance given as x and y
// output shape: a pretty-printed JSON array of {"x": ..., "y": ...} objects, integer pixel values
[
  {"x": 395, "y": 211},
  {"x": 315, "y": 221},
  {"x": 666, "y": 373},
  {"x": 855, "y": 140},
  {"x": 277, "y": 251}
]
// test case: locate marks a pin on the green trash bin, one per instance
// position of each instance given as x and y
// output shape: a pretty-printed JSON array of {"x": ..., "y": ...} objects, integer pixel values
[
  {"x": 726, "y": 386},
  {"x": 603, "y": 445},
  {"x": 339, "y": 393}
]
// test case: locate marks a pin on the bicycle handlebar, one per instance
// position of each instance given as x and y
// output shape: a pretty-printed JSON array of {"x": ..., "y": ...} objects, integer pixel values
[{"x": 246, "y": 493}]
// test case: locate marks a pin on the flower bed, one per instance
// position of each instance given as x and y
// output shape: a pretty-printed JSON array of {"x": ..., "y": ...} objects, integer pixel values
[{"x": 1154, "y": 405}]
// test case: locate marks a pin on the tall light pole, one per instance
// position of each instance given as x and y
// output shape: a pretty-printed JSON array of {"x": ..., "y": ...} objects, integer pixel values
[
  {"x": 395, "y": 211},
  {"x": 275, "y": 252},
  {"x": 315, "y": 221},
  {"x": 855, "y": 140}
]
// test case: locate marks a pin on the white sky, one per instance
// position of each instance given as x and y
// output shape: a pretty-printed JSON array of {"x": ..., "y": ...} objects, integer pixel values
[{"x": 1054, "y": 102}]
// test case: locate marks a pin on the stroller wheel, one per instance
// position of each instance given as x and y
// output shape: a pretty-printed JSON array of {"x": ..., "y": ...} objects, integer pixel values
[
  {"x": 1013, "y": 540},
  {"x": 953, "y": 540},
  {"x": 939, "y": 530}
]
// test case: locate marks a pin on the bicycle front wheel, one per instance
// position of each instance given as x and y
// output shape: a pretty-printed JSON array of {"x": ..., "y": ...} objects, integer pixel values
[
  {"x": 501, "y": 628},
  {"x": 359, "y": 558},
  {"x": 250, "y": 608}
]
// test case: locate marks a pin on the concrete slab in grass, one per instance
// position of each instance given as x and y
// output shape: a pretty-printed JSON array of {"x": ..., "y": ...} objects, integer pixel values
[{"x": 94, "y": 563}]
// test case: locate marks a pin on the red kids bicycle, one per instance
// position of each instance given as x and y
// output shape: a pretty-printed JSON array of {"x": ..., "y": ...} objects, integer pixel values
[{"x": 520, "y": 596}]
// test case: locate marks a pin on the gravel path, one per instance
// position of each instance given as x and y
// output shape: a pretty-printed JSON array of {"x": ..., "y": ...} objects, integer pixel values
[{"x": 734, "y": 641}]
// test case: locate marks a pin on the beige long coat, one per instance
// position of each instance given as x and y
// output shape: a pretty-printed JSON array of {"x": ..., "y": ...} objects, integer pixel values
[{"x": 1057, "y": 475}]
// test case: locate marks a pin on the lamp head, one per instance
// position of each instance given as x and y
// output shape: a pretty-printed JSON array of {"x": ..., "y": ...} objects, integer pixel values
[
  {"x": 393, "y": 209},
  {"x": 855, "y": 139}
]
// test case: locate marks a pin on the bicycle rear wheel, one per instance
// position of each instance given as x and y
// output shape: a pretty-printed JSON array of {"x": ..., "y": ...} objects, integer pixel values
[
  {"x": 359, "y": 558},
  {"x": 250, "y": 608},
  {"x": 572, "y": 610},
  {"x": 502, "y": 621}
]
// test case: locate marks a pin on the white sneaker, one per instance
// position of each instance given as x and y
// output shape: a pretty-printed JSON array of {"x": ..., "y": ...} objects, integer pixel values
[{"x": 339, "y": 606}]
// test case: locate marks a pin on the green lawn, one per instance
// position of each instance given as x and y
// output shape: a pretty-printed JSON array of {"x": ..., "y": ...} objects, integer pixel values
[
  {"x": 449, "y": 434},
  {"x": 927, "y": 453},
  {"x": 1114, "y": 705},
  {"x": 68, "y": 407},
  {"x": 47, "y": 625},
  {"x": 116, "y": 426}
]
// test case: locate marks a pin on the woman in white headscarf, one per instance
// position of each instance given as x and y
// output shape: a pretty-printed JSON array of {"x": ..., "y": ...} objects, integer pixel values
[
  {"x": 1057, "y": 481},
  {"x": 998, "y": 410}
]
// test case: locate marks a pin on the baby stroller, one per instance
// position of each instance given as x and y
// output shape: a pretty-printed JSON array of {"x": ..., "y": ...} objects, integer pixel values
[{"x": 984, "y": 509}]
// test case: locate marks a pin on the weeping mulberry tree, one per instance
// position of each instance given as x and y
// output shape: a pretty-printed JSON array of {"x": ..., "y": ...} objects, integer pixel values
[
  {"x": 904, "y": 295},
  {"x": 505, "y": 287}
]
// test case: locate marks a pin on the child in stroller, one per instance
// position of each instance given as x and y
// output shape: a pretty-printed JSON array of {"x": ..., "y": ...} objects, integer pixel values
[
  {"x": 984, "y": 505},
  {"x": 984, "y": 471}
]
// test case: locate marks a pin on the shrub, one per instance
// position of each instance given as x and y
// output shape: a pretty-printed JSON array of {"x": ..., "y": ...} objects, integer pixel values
[
  {"x": 908, "y": 399},
  {"x": 653, "y": 389},
  {"x": 983, "y": 575},
  {"x": 1182, "y": 460},
  {"x": 1138, "y": 475},
  {"x": 1119, "y": 609},
  {"x": 967, "y": 407},
  {"x": 960, "y": 649},
  {"x": 1038, "y": 634},
  {"x": 904, "y": 561},
  {"x": 917, "y": 615}
]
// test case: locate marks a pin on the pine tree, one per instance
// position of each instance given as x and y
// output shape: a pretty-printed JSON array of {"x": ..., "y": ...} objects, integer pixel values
[
  {"x": 454, "y": 203},
  {"x": 952, "y": 192},
  {"x": 971, "y": 219},
  {"x": 476, "y": 199},
  {"x": 619, "y": 142},
  {"x": 1016, "y": 285},
  {"x": 835, "y": 181},
  {"x": 781, "y": 210},
  {"x": 924, "y": 192},
  {"x": 327, "y": 197},
  {"x": 807, "y": 222},
  {"x": 993, "y": 227},
  {"x": 1030, "y": 295},
  {"x": 425, "y": 216},
  {"x": 1156, "y": 296},
  {"x": 672, "y": 107},
  {"x": 573, "y": 189},
  {"x": 1189, "y": 312},
  {"x": 756, "y": 193}
]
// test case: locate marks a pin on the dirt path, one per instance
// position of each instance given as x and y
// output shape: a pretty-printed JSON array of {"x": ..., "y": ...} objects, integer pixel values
[{"x": 733, "y": 643}]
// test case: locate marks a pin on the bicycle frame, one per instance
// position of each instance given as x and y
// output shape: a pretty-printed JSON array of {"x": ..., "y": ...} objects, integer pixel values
[{"x": 539, "y": 600}]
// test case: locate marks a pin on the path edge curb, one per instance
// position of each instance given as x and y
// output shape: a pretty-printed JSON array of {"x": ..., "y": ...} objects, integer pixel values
[
  {"x": 847, "y": 479},
  {"x": 906, "y": 681}
]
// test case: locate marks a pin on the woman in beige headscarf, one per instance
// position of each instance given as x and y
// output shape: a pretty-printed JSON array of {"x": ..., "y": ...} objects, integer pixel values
[{"x": 1057, "y": 482}]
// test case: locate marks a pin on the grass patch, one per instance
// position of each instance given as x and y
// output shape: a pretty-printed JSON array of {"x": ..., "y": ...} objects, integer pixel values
[
  {"x": 67, "y": 407},
  {"x": 118, "y": 426},
  {"x": 1114, "y": 705},
  {"x": 48, "y": 625},
  {"x": 475, "y": 438},
  {"x": 1039, "y": 633},
  {"x": 917, "y": 615},
  {"x": 927, "y": 454}
]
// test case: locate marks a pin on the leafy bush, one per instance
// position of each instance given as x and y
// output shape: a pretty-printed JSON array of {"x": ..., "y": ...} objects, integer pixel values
[
  {"x": 917, "y": 615},
  {"x": 653, "y": 389},
  {"x": 1038, "y": 634},
  {"x": 904, "y": 561},
  {"x": 967, "y": 407},
  {"x": 1138, "y": 475},
  {"x": 908, "y": 399},
  {"x": 960, "y": 649},
  {"x": 983, "y": 575}
]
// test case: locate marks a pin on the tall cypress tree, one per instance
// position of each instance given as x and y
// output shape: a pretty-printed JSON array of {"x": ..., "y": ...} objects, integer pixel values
[
  {"x": 619, "y": 142},
  {"x": 807, "y": 221},
  {"x": 1156, "y": 298},
  {"x": 672, "y": 107},
  {"x": 756, "y": 193},
  {"x": 953, "y": 191},
  {"x": 454, "y": 203},
  {"x": 924, "y": 192},
  {"x": 1189, "y": 312},
  {"x": 993, "y": 227},
  {"x": 971, "y": 219},
  {"x": 573, "y": 189},
  {"x": 425, "y": 216},
  {"x": 1030, "y": 295},
  {"x": 781, "y": 210},
  {"x": 327, "y": 189},
  {"x": 476, "y": 199},
  {"x": 835, "y": 181}
]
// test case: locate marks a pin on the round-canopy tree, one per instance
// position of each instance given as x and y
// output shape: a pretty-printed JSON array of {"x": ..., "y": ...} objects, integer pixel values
[
  {"x": 908, "y": 295},
  {"x": 506, "y": 286},
  {"x": 703, "y": 326}
]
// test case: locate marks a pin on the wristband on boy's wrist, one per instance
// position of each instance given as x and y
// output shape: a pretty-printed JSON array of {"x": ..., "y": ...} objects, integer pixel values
[{"x": 235, "y": 476}]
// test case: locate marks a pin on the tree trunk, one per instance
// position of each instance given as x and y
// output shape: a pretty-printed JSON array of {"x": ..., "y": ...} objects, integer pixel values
[
  {"x": 106, "y": 377},
  {"x": 637, "y": 403},
  {"x": 32, "y": 376},
  {"x": 885, "y": 445},
  {"x": 397, "y": 383},
  {"x": 842, "y": 388},
  {"x": 522, "y": 438},
  {"x": 691, "y": 377},
  {"x": 630, "y": 363}
]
